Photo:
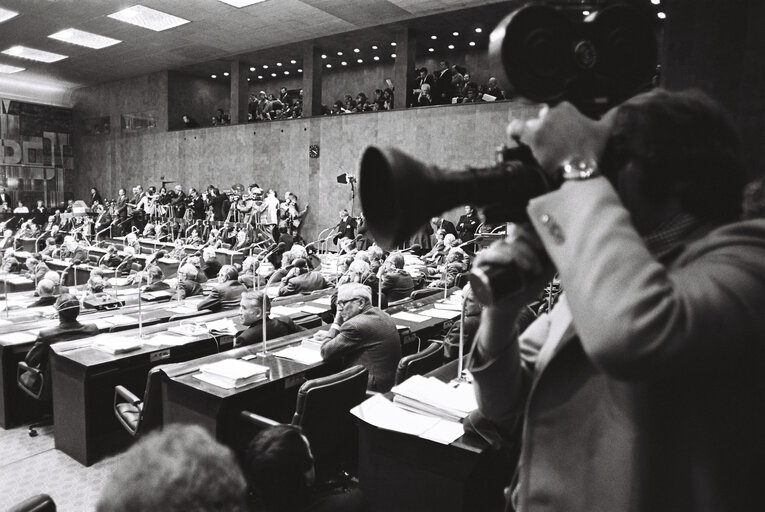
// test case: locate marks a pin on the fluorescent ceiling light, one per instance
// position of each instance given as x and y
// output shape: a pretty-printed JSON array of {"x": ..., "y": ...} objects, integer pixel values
[
  {"x": 241, "y": 3},
  {"x": 6, "y": 14},
  {"x": 4, "y": 68},
  {"x": 24, "y": 52},
  {"x": 148, "y": 18},
  {"x": 82, "y": 38}
]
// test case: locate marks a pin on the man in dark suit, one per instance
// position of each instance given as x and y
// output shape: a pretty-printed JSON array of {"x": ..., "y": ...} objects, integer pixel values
[
  {"x": 300, "y": 279},
  {"x": 396, "y": 282},
  {"x": 227, "y": 293},
  {"x": 46, "y": 290},
  {"x": 196, "y": 203},
  {"x": 122, "y": 212},
  {"x": 155, "y": 279},
  {"x": 441, "y": 223},
  {"x": 346, "y": 228},
  {"x": 178, "y": 202},
  {"x": 443, "y": 88},
  {"x": 468, "y": 224},
  {"x": 40, "y": 213},
  {"x": 251, "y": 314},
  {"x": 188, "y": 286},
  {"x": 69, "y": 328},
  {"x": 365, "y": 335}
]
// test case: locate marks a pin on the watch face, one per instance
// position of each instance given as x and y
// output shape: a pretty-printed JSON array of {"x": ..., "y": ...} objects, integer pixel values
[{"x": 313, "y": 151}]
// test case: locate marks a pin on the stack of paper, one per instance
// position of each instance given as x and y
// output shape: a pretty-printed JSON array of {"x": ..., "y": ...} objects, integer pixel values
[
  {"x": 313, "y": 344},
  {"x": 431, "y": 396},
  {"x": 410, "y": 317},
  {"x": 223, "y": 326},
  {"x": 188, "y": 330},
  {"x": 441, "y": 313},
  {"x": 117, "y": 344},
  {"x": 232, "y": 373},
  {"x": 324, "y": 301},
  {"x": 313, "y": 310},
  {"x": 167, "y": 339},
  {"x": 300, "y": 354},
  {"x": 284, "y": 311}
]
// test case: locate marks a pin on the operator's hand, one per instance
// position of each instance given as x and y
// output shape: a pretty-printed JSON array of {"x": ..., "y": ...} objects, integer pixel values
[{"x": 561, "y": 132}]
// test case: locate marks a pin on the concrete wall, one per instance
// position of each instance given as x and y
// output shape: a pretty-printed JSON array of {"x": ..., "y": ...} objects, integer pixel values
[
  {"x": 200, "y": 98},
  {"x": 275, "y": 154}
]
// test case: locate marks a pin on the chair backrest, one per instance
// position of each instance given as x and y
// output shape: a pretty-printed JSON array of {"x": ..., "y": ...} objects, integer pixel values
[
  {"x": 422, "y": 362},
  {"x": 151, "y": 414},
  {"x": 462, "y": 279},
  {"x": 425, "y": 292},
  {"x": 322, "y": 411},
  {"x": 37, "y": 503},
  {"x": 32, "y": 381}
]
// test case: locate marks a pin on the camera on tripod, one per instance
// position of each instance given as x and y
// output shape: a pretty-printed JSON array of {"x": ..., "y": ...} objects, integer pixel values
[{"x": 550, "y": 52}]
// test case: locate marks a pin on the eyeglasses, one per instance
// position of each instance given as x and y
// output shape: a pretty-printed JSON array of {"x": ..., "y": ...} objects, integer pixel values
[{"x": 342, "y": 303}]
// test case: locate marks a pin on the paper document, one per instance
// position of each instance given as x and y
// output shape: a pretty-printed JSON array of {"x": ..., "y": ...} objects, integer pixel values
[
  {"x": 121, "y": 320},
  {"x": 284, "y": 311},
  {"x": 224, "y": 325},
  {"x": 410, "y": 317},
  {"x": 324, "y": 301},
  {"x": 300, "y": 354},
  {"x": 102, "y": 323},
  {"x": 432, "y": 396},
  {"x": 441, "y": 313},
  {"x": 117, "y": 281},
  {"x": 448, "y": 306},
  {"x": 314, "y": 310},
  {"x": 172, "y": 340},
  {"x": 182, "y": 310},
  {"x": 188, "y": 330}
]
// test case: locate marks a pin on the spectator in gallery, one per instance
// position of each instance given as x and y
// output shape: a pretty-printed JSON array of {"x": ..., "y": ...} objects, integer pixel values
[
  {"x": 378, "y": 100},
  {"x": 387, "y": 99},
  {"x": 21, "y": 208},
  {"x": 471, "y": 95},
  {"x": 424, "y": 99},
  {"x": 492, "y": 89},
  {"x": 443, "y": 89},
  {"x": 189, "y": 121},
  {"x": 222, "y": 118},
  {"x": 423, "y": 77}
]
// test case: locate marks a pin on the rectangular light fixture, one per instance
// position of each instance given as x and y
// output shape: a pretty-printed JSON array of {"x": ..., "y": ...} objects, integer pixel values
[
  {"x": 4, "y": 68},
  {"x": 241, "y": 3},
  {"x": 6, "y": 14},
  {"x": 82, "y": 38},
  {"x": 24, "y": 52},
  {"x": 148, "y": 18}
]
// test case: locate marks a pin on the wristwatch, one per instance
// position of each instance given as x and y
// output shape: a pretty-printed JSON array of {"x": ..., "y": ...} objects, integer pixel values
[{"x": 579, "y": 169}]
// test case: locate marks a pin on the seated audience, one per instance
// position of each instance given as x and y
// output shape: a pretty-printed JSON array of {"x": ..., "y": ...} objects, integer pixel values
[
  {"x": 155, "y": 278},
  {"x": 45, "y": 292},
  {"x": 188, "y": 286},
  {"x": 178, "y": 469},
  {"x": 9, "y": 262},
  {"x": 37, "y": 267},
  {"x": 363, "y": 334},
  {"x": 210, "y": 266},
  {"x": 301, "y": 280},
  {"x": 227, "y": 293},
  {"x": 280, "y": 472},
  {"x": 396, "y": 282},
  {"x": 111, "y": 259},
  {"x": 251, "y": 315}
]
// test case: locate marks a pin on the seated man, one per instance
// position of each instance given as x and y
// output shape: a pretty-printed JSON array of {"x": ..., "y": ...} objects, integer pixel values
[
  {"x": 280, "y": 471},
  {"x": 37, "y": 268},
  {"x": 188, "y": 286},
  {"x": 301, "y": 280},
  {"x": 396, "y": 282},
  {"x": 155, "y": 280},
  {"x": 178, "y": 253},
  {"x": 210, "y": 264},
  {"x": 251, "y": 314},
  {"x": 249, "y": 276},
  {"x": 69, "y": 328},
  {"x": 55, "y": 278},
  {"x": 365, "y": 335},
  {"x": 227, "y": 293},
  {"x": 178, "y": 469},
  {"x": 9, "y": 262},
  {"x": 111, "y": 259},
  {"x": 50, "y": 249},
  {"x": 45, "y": 290}
]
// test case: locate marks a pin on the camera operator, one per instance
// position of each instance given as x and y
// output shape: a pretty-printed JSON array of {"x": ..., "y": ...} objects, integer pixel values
[{"x": 646, "y": 392}]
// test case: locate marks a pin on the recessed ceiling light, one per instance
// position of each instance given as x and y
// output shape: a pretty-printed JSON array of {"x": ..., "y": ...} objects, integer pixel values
[
  {"x": 213, "y": 76},
  {"x": 478, "y": 30},
  {"x": 260, "y": 77},
  {"x": 286, "y": 72},
  {"x": 356, "y": 50},
  {"x": 279, "y": 64},
  {"x": 225, "y": 74},
  {"x": 451, "y": 47},
  {"x": 434, "y": 37},
  {"x": 393, "y": 44},
  {"x": 265, "y": 66},
  {"x": 329, "y": 65},
  {"x": 376, "y": 57},
  {"x": 455, "y": 34},
  {"x": 248, "y": 79},
  {"x": 655, "y": 2},
  {"x": 241, "y": 3},
  {"x": 661, "y": 15},
  {"x": 82, "y": 38},
  {"x": 148, "y": 18},
  {"x": 273, "y": 74},
  {"x": 6, "y": 14},
  {"x": 431, "y": 50},
  {"x": 24, "y": 52},
  {"x": 374, "y": 46},
  {"x": 393, "y": 55},
  {"x": 300, "y": 70},
  {"x": 343, "y": 63},
  {"x": 360, "y": 61},
  {"x": 323, "y": 56},
  {"x": 472, "y": 43},
  {"x": 252, "y": 69},
  {"x": 4, "y": 68},
  {"x": 339, "y": 53},
  {"x": 585, "y": 13},
  {"x": 293, "y": 61}
]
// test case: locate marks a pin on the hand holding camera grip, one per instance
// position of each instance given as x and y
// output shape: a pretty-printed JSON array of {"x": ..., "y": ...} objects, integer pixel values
[{"x": 491, "y": 282}]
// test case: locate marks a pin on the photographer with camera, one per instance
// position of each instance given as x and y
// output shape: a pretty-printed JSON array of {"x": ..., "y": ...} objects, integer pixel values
[{"x": 642, "y": 389}]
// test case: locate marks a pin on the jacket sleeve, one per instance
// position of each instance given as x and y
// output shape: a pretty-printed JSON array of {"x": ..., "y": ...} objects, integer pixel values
[
  {"x": 212, "y": 302},
  {"x": 348, "y": 339}
]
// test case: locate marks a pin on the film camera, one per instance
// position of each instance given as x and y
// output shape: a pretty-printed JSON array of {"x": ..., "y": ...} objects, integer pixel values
[{"x": 594, "y": 55}]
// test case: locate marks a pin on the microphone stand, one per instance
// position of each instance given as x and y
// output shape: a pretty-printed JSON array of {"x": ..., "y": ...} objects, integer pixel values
[
  {"x": 140, "y": 310},
  {"x": 265, "y": 353},
  {"x": 460, "y": 378},
  {"x": 446, "y": 282},
  {"x": 5, "y": 285}
]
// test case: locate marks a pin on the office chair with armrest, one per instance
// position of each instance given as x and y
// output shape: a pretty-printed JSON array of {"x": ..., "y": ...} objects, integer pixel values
[
  {"x": 425, "y": 292},
  {"x": 422, "y": 362},
  {"x": 34, "y": 383},
  {"x": 37, "y": 503},
  {"x": 138, "y": 416},
  {"x": 322, "y": 411}
]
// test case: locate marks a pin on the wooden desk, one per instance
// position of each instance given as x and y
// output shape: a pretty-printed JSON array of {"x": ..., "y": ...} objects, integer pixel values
[{"x": 403, "y": 472}]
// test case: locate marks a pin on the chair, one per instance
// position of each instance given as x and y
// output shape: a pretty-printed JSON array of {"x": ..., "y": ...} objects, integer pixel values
[
  {"x": 34, "y": 383},
  {"x": 140, "y": 416},
  {"x": 461, "y": 280},
  {"x": 425, "y": 292},
  {"x": 322, "y": 411},
  {"x": 37, "y": 503},
  {"x": 422, "y": 362}
]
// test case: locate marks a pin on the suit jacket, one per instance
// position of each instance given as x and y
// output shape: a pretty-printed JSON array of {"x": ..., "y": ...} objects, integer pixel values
[
  {"x": 43, "y": 301},
  {"x": 156, "y": 287},
  {"x": 345, "y": 229},
  {"x": 654, "y": 400},
  {"x": 276, "y": 327},
  {"x": 223, "y": 296},
  {"x": 397, "y": 284},
  {"x": 303, "y": 283},
  {"x": 443, "y": 90},
  {"x": 190, "y": 288},
  {"x": 369, "y": 339},
  {"x": 447, "y": 226},
  {"x": 467, "y": 226}
]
